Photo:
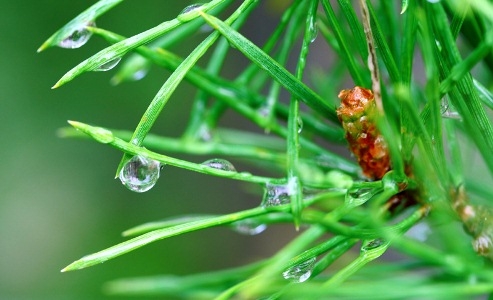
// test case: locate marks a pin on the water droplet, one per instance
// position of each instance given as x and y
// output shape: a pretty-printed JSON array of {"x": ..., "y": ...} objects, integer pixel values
[
  {"x": 220, "y": 164},
  {"x": 433, "y": 1},
  {"x": 447, "y": 110},
  {"x": 300, "y": 273},
  {"x": 108, "y": 65},
  {"x": 300, "y": 124},
  {"x": 313, "y": 29},
  {"x": 249, "y": 227},
  {"x": 191, "y": 7},
  {"x": 181, "y": 16},
  {"x": 79, "y": 37},
  {"x": 140, "y": 174},
  {"x": 372, "y": 244},
  {"x": 358, "y": 196},
  {"x": 439, "y": 46},
  {"x": 276, "y": 194}
]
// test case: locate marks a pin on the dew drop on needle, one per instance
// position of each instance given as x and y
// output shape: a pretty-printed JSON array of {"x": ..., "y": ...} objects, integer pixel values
[
  {"x": 301, "y": 272},
  {"x": 140, "y": 173},
  {"x": 108, "y": 65},
  {"x": 220, "y": 164},
  {"x": 79, "y": 37},
  {"x": 276, "y": 194},
  {"x": 249, "y": 227}
]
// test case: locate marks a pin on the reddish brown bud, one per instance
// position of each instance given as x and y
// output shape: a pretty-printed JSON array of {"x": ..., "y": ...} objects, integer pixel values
[{"x": 357, "y": 115}]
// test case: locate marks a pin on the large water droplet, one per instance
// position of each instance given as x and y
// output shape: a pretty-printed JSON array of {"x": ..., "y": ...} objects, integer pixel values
[
  {"x": 220, "y": 164},
  {"x": 108, "y": 65},
  {"x": 78, "y": 37},
  {"x": 249, "y": 227},
  {"x": 276, "y": 194},
  {"x": 140, "y": 174},
  {"x": 313, "y": 29},
  {"x": 300, "y": 273}
]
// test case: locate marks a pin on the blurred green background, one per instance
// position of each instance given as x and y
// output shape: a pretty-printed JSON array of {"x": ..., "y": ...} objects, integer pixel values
[{"x": 58, "y": 198}]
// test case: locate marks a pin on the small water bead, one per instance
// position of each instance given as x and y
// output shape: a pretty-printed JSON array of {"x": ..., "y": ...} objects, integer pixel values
[
  {"x": 276, "y": 194},
  {"x": 301, "y": 272},
  {"x": 249, "y": 227},
  {"x": 220, "y": 164},
  {"x": 358, "y": 196},
  {"x": 191, "y": 7},
  {"x": 140, "y": 173},
  {"x": 108, "y": 65},
  {"x": 79, "y": 37},
  {"x": 300, "y": 124},
  {"x": 313, "y": 29},
  {"x": 372, "y": 244},
  {"x": 187, "y": 10}
]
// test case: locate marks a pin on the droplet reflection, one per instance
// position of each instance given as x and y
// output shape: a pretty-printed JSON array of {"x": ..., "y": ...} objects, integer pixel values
[
  {"x": 220, "y": 164},
  {"x": 300, "y": 273},
  {"x": 79, "y": 37},
  {"x": 140, "y": 174}
]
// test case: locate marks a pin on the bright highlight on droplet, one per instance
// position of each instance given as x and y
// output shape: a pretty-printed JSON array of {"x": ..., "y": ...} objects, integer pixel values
[
  {"x": 191, "y": 7},
  {"x": 300, "y": 273},
  {"x": 313, "y": 29},
  {"x": 187, "y": 10},
  {"x": 249, "y": 227},
  {"x": 79, "y": 37},
  {"x": 300, "y": 124},
  {"x": 140, "y": 174},
  {"x": 220, "y": 164},
  {"x": 108, "y": 65}
]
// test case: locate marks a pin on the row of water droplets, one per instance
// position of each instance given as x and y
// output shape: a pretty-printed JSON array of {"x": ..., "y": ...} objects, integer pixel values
[
  {"x": 141, "y": 173},
  {"x": 81, "y": 34}
]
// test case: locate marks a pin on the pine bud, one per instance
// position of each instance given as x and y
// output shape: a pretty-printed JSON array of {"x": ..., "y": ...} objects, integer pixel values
[{"x": 357, "y": 115}]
